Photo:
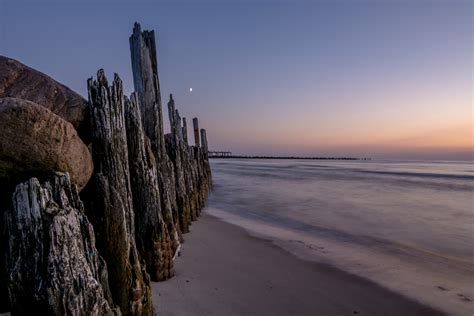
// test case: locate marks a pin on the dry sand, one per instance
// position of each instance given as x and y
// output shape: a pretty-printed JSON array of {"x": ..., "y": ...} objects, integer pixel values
[{"x": 225, "y": 271}]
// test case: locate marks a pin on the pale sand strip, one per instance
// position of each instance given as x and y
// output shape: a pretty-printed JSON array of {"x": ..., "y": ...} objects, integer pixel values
[{"x": 225, "y": 271}]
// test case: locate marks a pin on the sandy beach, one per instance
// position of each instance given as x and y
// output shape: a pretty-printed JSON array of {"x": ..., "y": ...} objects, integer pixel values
[{"x": 224, "y": 271}]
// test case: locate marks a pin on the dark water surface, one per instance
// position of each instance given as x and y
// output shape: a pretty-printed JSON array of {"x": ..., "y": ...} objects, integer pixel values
[{"x": 406, "y": 225}]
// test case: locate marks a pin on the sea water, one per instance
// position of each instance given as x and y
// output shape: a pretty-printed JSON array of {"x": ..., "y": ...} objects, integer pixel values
[{"x": 407, "y": 225}]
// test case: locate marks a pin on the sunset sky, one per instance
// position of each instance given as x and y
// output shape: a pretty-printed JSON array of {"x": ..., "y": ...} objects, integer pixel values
[{"x": 383, "y": 79}]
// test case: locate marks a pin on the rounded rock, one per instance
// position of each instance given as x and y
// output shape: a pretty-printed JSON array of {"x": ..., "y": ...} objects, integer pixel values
[
  {"x": 20, "y": 81},
  {"x": 35, "y": 142}
]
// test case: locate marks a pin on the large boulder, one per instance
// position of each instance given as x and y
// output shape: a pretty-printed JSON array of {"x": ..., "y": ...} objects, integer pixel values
[
  {"x": 34, "y": 142},
  {"x": 22, "y": 82}
]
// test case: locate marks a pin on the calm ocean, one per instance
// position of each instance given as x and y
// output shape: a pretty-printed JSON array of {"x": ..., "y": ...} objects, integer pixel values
[{"x": 406, "y": 225}]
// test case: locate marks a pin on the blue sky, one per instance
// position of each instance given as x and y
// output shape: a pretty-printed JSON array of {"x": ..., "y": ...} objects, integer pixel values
[{"x": 386, "y": 79}]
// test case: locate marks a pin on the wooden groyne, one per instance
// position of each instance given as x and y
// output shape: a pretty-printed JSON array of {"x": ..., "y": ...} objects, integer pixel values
[{"x": 95, "y": 253}]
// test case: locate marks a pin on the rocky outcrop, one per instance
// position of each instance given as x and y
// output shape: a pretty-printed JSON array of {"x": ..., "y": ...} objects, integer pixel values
[
  {"x": 22, "y": 82},
  {"x": 34, "y": 142},
  {"x": 112, "y": 205},
  {"x": 52, "y": 264}
]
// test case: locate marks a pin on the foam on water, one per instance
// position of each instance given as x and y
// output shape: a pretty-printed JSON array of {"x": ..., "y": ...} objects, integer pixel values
[{"x": 406, "y": 225}]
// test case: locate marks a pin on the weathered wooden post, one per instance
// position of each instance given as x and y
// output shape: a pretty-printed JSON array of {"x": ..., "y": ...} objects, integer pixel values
[
  {"x": 171, "y": 116},
  {"x": 204, "y": 140},
  {"x": 147, "y": 85},
  {"x": 153, "y": 240},
  {"x": 113, "y": 205},
  {"x": 51, "y": 261},
  {"x": 176, "y": 152},
  {"x": 185, "y": 132},
  {"x": 196, "y": 132},
  {"x": 179, "y": 128}
]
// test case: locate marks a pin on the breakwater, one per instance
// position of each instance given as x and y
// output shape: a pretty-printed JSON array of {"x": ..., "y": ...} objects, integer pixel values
[
  {"x": 86, "y": 236},
  {"x": 225, "y": 155}
]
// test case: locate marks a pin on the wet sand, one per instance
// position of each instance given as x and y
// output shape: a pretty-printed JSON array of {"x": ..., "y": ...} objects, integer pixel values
[{"x": 225, "y": 271}]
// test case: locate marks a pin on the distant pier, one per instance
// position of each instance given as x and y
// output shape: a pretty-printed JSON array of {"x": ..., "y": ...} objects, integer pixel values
[
  {"x": 220, "y": 154},
  {"x": 228, "y": 154}
]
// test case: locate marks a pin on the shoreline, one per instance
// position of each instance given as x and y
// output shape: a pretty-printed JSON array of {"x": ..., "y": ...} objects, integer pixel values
[
  {"x": 224, "y": 270},
  {"x": 433, "y": 280}
]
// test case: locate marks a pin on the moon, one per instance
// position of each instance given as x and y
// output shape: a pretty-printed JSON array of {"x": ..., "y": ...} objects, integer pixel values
[{"x": 190, "y": 89}]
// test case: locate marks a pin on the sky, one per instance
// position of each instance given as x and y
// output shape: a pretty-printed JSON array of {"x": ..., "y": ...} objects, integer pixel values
[{"x": 389, "y": 79}]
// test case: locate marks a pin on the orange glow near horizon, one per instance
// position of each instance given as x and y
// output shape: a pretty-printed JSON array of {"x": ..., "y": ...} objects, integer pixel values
[{"x": 386, "y": 129}]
